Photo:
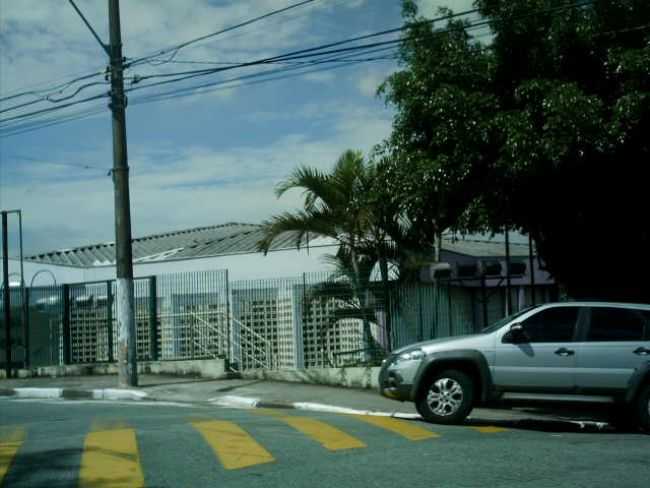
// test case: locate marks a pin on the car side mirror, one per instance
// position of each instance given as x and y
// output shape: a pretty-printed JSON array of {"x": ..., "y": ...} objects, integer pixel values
[{"x": 515, "y": 334}]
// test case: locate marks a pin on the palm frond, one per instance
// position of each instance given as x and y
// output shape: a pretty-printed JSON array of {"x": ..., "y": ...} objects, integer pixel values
[{"x": 299, "y": 223}]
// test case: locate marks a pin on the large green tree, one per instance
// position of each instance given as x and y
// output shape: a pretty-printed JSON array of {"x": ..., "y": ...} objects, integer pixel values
[{"x": 544, "y": 128}]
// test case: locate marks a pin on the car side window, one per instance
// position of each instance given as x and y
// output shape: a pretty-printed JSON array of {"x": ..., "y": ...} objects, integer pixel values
[
  {"x": 552, "y": 325},
  {"x": 615, "y": 324}
]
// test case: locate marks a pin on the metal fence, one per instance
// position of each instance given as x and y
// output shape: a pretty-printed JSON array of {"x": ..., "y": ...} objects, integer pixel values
[{"x": 308, "y": 321}]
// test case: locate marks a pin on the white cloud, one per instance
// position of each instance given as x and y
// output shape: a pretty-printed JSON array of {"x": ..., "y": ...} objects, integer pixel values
[
  {"x": 370, "y": 80},
  {"x": 429, "y": 8},
  {"x": 47, "y": 41},
  {"x": 66, "y": 206}
]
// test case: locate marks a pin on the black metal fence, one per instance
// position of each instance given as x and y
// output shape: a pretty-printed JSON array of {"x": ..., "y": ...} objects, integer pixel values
[{"x": 308, "y": 321}]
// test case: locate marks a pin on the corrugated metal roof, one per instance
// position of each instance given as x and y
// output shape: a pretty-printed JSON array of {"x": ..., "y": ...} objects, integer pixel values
[
  {"x": 235, "y": 238},
  {"x": 199, "y": 242},
  {"x": 483, "y": 248}
]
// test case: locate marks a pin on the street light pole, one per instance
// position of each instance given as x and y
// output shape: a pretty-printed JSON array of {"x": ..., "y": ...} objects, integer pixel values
[{"x": 126, "y": 338}]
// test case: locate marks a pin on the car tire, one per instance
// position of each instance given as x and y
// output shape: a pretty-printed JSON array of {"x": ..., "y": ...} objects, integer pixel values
[
  {"x": 643, "y": 408},
  {"x": 448, "y": 398},
  {"x": 624, "y": 419}
]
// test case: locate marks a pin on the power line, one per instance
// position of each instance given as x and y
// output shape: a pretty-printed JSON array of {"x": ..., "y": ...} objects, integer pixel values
[
  {"x": 178, "y": 47},
  {"x": 235, "y": 82},
  {"x": 51, "y": 109},
  {"x": 57, "y": 88},
  {"x": 319, "y": 50},
  {"x": 313, "y": 51},
  {"x": 50, "y": 99},
  {"x": 219, "y": 84},
  {"x": 37, "y": 125},
  {"x": 302, "y": 54}
]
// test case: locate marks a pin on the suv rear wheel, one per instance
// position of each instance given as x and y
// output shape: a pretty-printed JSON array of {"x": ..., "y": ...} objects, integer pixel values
[
  {"x": 448, "y": 398},
  {"x": 643, "y": 408}
]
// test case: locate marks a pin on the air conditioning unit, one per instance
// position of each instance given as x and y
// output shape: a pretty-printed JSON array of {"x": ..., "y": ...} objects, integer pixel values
[{"x": 489, "y": 268}]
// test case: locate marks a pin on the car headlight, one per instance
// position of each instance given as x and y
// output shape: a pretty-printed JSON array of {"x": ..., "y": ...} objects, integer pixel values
[{"x": 414, "y": 355}]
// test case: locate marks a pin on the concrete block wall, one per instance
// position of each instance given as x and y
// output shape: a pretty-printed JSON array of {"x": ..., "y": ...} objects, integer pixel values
[
  {"x": 205, "y": 368},
  {"x": 353, "y": 377}
]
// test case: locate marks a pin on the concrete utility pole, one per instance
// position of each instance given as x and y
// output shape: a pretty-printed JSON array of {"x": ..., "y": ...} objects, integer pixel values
[
  {"x": 126, "y": 339},
  {"x": 6, "y": 305},
  {"x": 126, "y": 336}
]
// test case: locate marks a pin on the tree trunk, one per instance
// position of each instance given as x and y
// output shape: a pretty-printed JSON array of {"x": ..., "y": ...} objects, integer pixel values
[
  {"x": 363, "y": 303},
  {"x": 383, "y": 269}
]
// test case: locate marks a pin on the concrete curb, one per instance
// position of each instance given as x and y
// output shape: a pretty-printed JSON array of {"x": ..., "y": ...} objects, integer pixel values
[
  {"x": 73, "y": 394},
  {"x": 545, "y": 425}
]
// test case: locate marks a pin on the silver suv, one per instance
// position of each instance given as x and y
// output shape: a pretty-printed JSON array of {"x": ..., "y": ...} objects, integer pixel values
[{"x": 563, "y": 352}]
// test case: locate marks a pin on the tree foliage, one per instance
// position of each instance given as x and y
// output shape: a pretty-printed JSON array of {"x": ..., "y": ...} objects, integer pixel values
[{"x": 546, "y": 129}]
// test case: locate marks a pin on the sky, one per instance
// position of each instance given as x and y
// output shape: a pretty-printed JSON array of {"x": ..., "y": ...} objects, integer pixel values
[{"x": 206, "y": 159}]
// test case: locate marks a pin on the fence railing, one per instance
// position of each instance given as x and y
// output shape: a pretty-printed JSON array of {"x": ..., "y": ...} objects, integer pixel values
[{"x": 301, "y": 322}]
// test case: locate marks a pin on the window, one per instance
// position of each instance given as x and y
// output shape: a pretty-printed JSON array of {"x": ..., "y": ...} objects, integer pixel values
[
  {"x": 615, "y": 324},
  {"x": 552, "y": 325}
]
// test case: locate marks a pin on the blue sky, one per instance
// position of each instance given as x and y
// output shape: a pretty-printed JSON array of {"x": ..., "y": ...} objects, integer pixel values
[{"x": 207, "y": 159}]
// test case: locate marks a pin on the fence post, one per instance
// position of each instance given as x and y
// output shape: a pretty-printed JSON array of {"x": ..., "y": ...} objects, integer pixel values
[
  {"x": 484, "y": 301},
  {"x": 228, "y": 353},
  {"x": 109, "y": 319},
  {"x": 449, "y": 316},
  {"x": 26, "y": 324},
  {"x": 420, "y": 317},
  {"x": 66, "y": 324},
  {"x": 153, "y": 323}
]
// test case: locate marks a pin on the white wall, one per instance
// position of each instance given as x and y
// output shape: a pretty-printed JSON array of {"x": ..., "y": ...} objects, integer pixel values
[
  {"x": 276, "y": 264},
  {"x": 41, "y": 272}
]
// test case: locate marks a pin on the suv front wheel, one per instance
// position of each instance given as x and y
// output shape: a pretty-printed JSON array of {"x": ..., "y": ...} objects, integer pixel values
[{"x": 448, "y": 398}]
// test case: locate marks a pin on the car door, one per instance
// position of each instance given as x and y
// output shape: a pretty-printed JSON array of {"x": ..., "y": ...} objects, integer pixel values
[
  {"x": 615, "y": 342},
  {"x": 545, "y": 361}
]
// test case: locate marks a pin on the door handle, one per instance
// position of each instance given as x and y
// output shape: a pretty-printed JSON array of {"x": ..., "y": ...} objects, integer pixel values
[
  {"x": 563, "y": 351},
  {"x": 642, "y": 351}
]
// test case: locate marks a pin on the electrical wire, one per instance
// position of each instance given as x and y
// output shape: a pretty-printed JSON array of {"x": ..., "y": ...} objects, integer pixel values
[
  {"x": 236, "y": 81},
  {"x": 57, "y": 88},
  {"x": 50, "y": 99},
  {"x": 301, "y": 54},
  {"x": 319, "y": 50},
  {"x": 174, "y": 49},
  {"x": 41, "y": 124},
  {"x": 51, "y": 109}
]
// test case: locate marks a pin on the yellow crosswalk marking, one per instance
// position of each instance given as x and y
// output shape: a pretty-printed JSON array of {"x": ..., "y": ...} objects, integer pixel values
[
  {"x": 234, "y": 447},
  {"x": 110, "y": 460},
  {"x": 400, "y": 427},
  {"x": 489, "y": 429},
  {"x": 327, "y": 435},
  {"x": 10, "y": 442}
]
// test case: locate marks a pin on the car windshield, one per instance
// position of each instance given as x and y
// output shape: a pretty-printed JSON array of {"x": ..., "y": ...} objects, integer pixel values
[{"x": 500, "y": 323}]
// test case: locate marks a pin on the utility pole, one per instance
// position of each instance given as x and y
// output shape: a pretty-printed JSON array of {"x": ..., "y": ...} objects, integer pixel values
[
  {"x": 6, "y": 305},
  {"x": 127, "y": 367},
  {"x": 126, "y": 336}
]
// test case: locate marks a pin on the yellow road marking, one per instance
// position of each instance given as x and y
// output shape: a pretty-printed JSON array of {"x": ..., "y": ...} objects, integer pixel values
[
  {"x": 327, "y": 435},
  {"x": 110, "y": 460},
  {"x": 273, "y": 412},
  {"x": 234, "y": 447},
  {"x": 489, "y": 429},
  {"x": 107, "y": 423},
  {"x": 400, "y": 427},
  {"x": 10, "y": 442}
]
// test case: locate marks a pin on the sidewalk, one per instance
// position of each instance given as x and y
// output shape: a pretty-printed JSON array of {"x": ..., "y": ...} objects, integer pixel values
[{"x": 241, "y": 392}]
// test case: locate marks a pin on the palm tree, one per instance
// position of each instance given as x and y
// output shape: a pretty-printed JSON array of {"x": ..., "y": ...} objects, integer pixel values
[{"x": 335, "y": 206}]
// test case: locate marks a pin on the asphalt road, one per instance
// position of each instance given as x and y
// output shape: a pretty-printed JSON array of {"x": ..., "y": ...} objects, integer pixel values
[{"x": 103, "y": 444}]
